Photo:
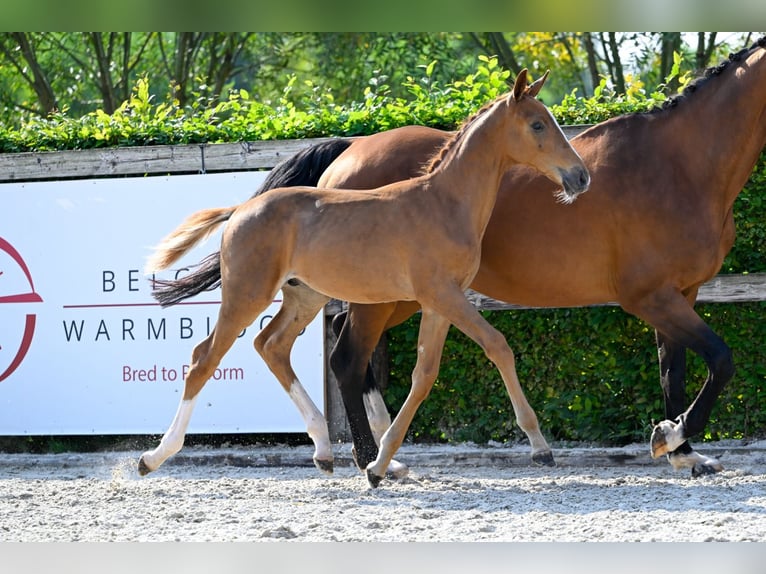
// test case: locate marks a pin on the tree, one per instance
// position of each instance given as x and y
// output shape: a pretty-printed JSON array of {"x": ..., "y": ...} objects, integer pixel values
[{"x": 21, "y": 51}]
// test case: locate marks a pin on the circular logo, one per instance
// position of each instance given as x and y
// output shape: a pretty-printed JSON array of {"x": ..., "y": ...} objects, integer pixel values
[{"x": 11, "y": 357}]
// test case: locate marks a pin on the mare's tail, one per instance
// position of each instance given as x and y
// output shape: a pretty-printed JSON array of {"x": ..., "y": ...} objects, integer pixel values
[{"x": 304, "y": 168}]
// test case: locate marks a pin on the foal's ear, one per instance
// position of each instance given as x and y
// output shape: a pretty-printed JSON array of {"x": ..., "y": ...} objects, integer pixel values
[
  {"x": 534, "y": 89},
  {"x": 521, "y": 85}
]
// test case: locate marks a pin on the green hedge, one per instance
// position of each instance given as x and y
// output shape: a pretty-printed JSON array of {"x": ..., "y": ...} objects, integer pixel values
[{"x": 591, "y": 374}]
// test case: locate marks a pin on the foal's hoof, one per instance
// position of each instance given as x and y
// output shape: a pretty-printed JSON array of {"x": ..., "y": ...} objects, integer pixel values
[
  {"x": 544, "y": 458},
  {"x": 143, "y": 469},
  {"x": 326, "y": 466},
  {"x": 397, "y": 470},
  {"x": 373, "y": 479}
]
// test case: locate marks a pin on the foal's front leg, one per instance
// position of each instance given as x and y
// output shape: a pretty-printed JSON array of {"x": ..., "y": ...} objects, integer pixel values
[{"x": 433, "y": 332}]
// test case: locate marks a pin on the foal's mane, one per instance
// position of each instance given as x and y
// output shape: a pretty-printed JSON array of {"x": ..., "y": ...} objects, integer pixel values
[
  {"x": 707, "y": 75},
  {"x": 441, "y": 154}
]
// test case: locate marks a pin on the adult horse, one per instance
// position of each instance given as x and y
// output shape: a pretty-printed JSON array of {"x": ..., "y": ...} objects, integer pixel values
[
  {"x": 655, "y": 226},
  {"x": 424, "y": 235}
]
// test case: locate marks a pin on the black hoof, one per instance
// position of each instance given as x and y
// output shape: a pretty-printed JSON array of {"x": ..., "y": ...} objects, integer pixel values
[
  {"x": 326, "y": 466},
  {"x": 364, "y": 457},
  {"x": 373, "y": 479},
  {"x": 543, "y": 458},
  {"x": 702, "y": 469},
  {"x": 143, "y": 470}
]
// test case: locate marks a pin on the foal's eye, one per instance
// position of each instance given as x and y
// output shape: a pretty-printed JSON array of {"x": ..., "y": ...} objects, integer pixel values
[{"x": 538, "y": 126}]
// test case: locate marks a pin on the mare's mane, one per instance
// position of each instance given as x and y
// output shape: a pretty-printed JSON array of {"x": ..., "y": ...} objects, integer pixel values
[{"x": 707, "y": 75}]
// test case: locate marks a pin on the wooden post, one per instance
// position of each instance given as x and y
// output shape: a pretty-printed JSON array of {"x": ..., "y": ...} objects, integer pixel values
[{"x": 334, "y": 411}]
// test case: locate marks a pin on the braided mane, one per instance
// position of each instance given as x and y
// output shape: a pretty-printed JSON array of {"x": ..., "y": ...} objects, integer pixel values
[{"x": 709, "y": 73}]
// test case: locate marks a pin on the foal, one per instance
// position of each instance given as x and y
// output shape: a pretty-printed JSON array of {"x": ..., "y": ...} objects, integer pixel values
[{"x": 415, "y": 240}]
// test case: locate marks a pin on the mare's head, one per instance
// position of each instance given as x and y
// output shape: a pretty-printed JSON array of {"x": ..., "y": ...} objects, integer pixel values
[{"x": 535, "y": 139}]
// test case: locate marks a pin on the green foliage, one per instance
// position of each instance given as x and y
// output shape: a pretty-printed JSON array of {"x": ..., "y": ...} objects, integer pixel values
[
  {"x": 590, "y": 374},
  {"x": 310, "y": 113}
]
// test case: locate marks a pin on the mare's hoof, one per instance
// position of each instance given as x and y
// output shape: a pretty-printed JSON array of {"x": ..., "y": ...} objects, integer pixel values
[
  {"x": 143, "y": 470},
  {"x": 703, "y": 469},
  {"x": 544, "y": 458},
  {"x": 373, "y": 478},
  {"x": 658, "y": 443},
  {"x": 326, "y": 466}
]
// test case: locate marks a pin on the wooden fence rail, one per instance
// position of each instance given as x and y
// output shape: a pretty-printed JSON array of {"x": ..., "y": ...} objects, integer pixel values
[{"x": 204, "y": 158}]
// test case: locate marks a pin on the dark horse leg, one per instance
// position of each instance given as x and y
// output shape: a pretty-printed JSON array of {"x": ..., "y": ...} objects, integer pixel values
[
  {"x": 358, "y": 331},
  {"x": 679, "y": 327}
]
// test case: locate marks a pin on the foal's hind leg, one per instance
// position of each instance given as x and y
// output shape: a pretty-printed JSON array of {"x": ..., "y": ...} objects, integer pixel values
[
  {"x": 452, "y": 306},
  {"x": 466, "y": 318},
  {"x": 205, "y": 359},
  {"x": 274, "y": 343}
]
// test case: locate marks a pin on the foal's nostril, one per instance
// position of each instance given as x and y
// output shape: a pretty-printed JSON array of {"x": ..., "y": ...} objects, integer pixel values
[{"x": 584, "y": 179}]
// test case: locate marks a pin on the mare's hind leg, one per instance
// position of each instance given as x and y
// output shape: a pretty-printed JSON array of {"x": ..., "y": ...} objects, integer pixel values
[
  {"x": 359, "y": 329},
  {"x": 205, "y": 359},
  {"x": 274, "y": 343},
  {"x": 678, "y": 327}
]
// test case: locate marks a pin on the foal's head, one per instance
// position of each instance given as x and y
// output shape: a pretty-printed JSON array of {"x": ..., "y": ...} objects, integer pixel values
[{"x": 534, "y": 138}]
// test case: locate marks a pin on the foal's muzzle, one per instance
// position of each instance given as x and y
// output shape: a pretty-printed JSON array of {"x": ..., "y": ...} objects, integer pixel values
[{"x": 575, "y": 182}]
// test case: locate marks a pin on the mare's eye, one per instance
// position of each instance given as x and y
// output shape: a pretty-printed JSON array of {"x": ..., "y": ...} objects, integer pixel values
[{"x": 538, "y": 126}]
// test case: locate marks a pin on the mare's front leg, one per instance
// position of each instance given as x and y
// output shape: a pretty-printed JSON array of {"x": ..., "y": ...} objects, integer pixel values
[
  {"x": 672, "y": 361},
  {"x": 679, "y": 326},
  {"x": 300, "y": 304}
]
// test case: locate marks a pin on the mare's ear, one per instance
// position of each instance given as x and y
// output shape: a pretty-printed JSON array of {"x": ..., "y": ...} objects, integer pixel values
[
  {"x": 520, "y": 86},
  {"x": 534, "y": 89}
]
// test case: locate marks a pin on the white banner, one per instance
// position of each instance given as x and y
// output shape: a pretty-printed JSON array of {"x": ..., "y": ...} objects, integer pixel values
[{"x": 84, "y": 348}]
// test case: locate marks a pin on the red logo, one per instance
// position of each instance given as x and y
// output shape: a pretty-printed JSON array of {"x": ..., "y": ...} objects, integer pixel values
[{"x": 29, "y": 324}]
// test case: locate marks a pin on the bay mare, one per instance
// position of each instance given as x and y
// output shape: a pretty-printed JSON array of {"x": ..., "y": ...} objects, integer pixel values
[
  {"x": 655, "y": 225},
  {"x": 424, "y": 237}
]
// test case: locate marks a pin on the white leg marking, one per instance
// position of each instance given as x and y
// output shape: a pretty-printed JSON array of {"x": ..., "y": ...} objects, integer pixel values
[
  {"x": 380, "y": 420},
  {"x": 682, "y": 461},
  {"x": 673, "y": 433},
  {"x": 173, "y": 439},
  {"x": 377, "y": 414},
  {"x": 316, "y": 425}
]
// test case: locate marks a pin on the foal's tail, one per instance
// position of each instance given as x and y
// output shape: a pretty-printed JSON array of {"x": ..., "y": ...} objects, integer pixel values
[
  {"x": 304, "y": 168},
  {"x": 194, "y": 229}
]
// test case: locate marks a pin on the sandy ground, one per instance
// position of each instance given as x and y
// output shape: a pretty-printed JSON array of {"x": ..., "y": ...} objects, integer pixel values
[{"x": 453, "y": 493}]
